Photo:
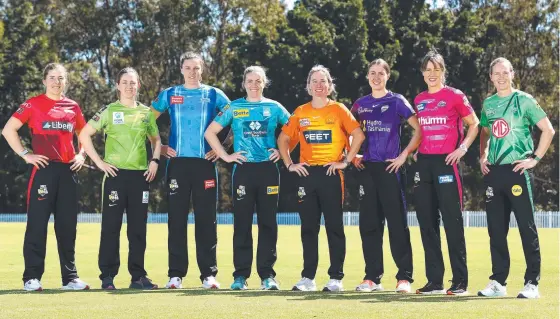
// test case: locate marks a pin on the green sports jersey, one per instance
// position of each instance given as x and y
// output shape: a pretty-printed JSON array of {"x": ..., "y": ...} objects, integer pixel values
[
  {"x": 510, "y": 120},
  {"x": 126, "y": 130}
]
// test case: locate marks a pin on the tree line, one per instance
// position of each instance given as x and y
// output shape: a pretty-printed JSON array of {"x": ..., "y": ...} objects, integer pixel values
[{"x": 95, "y": 39}]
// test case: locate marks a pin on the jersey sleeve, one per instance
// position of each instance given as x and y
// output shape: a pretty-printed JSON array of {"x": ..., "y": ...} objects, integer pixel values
[
  {"x": 291, "y": 128},
  {"x": 531, "y": 109},
  {"x": 462, "y": 105},
  {"x": 225, "y": 117},
  {"x": 24, "y": 112},
  {"x": 283, "y": 114},
  {"x": 404, "y": 109},
  {"x": 483, "y": 117},
  {"x": 221, "y": 100},
  {"x": 348, "y": 120},
  {"x": 152, "y": 125},
  {"x": 354, "y": 109},
  {"x": 80, "y": 120},
  {"x": 161, "y": 103},
  {"x": 100, "y": 119}
]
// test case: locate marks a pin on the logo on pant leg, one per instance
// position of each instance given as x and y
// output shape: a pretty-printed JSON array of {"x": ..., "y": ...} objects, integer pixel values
[
  {"x": 416, "y": 177},
  {"x": 173, "y": 186},
  {"x": 517, "y": 190},
  {"x": 301, "y": 194},
  {"x": 210, "y": 183},
  {"x": 145, "y": 197},
  {"x": 240, "y": 192},
  {"x": 362, "y": 192},
  {"x": 272, "y": 190},
  {"x": 443, "y": 179},
  {"x": 42, "y": 191},
  {"x": 113, "y": 197},
  {"x": 489, "y": 193}
]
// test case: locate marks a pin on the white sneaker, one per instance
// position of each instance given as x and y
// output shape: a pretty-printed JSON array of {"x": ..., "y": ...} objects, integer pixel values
[
  {"x": 333, "y": 285},
  {"x": 33, "y": 285},
  {"x": 76, "y": 284},
  {"x": 403, "y": 286},
  {"x": 493, "y": 289},
  {"x": 210, "y": 282},
  {"x": 368, "y": 286},
  {"x": 305, "y": 284},
  {"x": 530, "y": 291},
  {"x": 174, "y": 283}
]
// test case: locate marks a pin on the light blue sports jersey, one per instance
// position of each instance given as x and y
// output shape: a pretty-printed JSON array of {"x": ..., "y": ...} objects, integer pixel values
[
  {"x": 254, "y": 125},
  {"x": 191, "y": 111}
]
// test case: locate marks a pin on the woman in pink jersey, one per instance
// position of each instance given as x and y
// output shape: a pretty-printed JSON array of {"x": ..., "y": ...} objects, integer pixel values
[{"x": 442, "y": 110}]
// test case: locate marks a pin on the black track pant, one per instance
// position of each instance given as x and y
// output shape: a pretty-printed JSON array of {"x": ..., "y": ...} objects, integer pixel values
[
  {"x": 507, "y": 190},
  {"x": 129, "y": 192},
  {"x": 319, "y": 193},
  {"x": 439, "y": 186},
  {"x": 382, "y": 197},
  {"x": 255, "y": 185},
  {"x": 188, "y": 176},
  {"x": 52, "y": 189}
]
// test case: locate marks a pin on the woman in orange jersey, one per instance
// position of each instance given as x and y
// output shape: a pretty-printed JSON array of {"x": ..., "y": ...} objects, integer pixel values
[{"x": 322, "y": 127}]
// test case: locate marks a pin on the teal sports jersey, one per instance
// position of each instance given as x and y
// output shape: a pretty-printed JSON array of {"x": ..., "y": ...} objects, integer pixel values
[
  {"x": 254, "y": 125},
  {"x": 510, "y": 120}
]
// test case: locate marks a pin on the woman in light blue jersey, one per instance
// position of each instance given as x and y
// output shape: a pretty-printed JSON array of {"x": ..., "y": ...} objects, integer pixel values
[
  {"x": 191, "y": 171},
  {"x": 256, "y": 180}
]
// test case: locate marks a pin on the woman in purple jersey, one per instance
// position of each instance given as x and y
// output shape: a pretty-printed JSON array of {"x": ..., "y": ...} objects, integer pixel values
[{"x": 381, "y": 193}]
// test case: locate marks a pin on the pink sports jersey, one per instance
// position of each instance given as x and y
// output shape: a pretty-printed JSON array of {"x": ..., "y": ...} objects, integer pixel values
[{"x": 440, "y": 115}]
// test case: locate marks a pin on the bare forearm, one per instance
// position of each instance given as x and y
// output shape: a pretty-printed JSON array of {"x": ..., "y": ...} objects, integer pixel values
[
  {"x": 544, "y": 142},
  {"x": 471, "y": 135},
  {"x": 214, "y": 142},
  {"x": 283, "y": 147},
  {"x": 87, "y": 145},
  {"x": 414, "y": 142},
  {"x": 13, "y": 139},
  {"x": 484, "y": 137},
  {"x": 356, "y": 142},
  {"x": 156, "y": 147}
]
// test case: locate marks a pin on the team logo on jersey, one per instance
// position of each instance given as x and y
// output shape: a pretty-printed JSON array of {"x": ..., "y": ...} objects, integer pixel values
[
  {"x": 145, "y": 197},
  {"x": 173, "y": 185},
  {"x": 177, "y": 99},
  {"x": 266, "y": 112},
  {"x": 431, "y": 120},
  {"x": 362, "y": 192},
  {"x": 516, "y": 190},
  {"x": 241, "y": 113},
  {"x": 444, "y": 179},
  {"x": 272, "y": 190},
  {"x": 441, "y": 104},
  {"x": 330, "y": 120},
  {"x": 489, "y": 192},
  {"x": 416, "y": 177},
  {"x": 209, "y": 183},
  {"x": 58, "y": 126},
  {"x": 42, "y": 190},
  {"x": 240, "y": 192},
  {"x": 118, "y": 117},
  {"x": 114, "y": 196},
  {"x": 318, "y": 136},
  {"x": 304, "y": 122},
  {"x": 20, "y": 110},
  {"x": 384, "y": 108},
  {"x": 301, "y": 192},
  {"x": 500, "y": 128}
]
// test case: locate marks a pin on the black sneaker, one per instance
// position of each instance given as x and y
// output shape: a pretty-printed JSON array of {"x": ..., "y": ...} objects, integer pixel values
[
  {"x": 107, "y": 284},
  {"x": 143, "y": 283},
  {"x": 458, "y": 288},
  {"x": 431, "y": 289}
]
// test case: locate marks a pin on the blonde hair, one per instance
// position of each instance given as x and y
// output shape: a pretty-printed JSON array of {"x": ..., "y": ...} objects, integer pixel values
[
  {"x": 257, "y": 70},
  {"x": 326, "y": 72}
]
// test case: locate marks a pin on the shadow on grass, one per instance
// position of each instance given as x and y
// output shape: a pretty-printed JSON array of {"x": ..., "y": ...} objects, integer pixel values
[{"x": 289, "y": 295}]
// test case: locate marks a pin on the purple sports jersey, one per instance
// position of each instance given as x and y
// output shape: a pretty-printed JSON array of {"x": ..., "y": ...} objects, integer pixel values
[{"x": 381, "y": 121}]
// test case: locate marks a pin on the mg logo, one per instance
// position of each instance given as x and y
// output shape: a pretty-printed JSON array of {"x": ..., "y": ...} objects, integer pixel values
[{"x": 500, "y": 128}]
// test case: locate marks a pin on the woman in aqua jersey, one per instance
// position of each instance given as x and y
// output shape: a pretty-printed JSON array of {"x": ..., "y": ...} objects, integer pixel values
[
  {"x": 442, "y": 110},
  {"x": 53, "y": 119},
  {"x": 126, "y": 124},
  {"x": 507, "y": 156},
  {"x": 256, "y": 179},
  {"x": 191, "y": 172},
  {"x": 381, "y": 189}
]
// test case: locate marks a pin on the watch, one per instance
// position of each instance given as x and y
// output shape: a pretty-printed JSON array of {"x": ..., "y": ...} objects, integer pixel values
[
  {"x": 463, "y": 148},
  {"x": 345, "y": 161},
  {"x": 156, "y": 160},
  {"x": 535, "y": 157}
]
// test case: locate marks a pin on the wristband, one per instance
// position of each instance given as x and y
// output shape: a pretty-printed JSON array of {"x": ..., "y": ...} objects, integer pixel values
[
  {"x": 156, "y": 160},
  {"x": 290, "y": 165},
  {"x": 535, "y": 157},
  {"x": 24, "y": 152},
  {"x": 463, "y": 148}
]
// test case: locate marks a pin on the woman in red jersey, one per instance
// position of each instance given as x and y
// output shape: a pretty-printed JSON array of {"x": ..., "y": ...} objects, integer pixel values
[
  {"x": 442, "y": 110},
  {"x": 53, "y": 120}
]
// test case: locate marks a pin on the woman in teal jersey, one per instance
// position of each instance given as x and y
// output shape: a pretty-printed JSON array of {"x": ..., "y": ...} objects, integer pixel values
[
  {"x": 506, "y": 157},
  {"x": 126, "y": 124},
  {"x": 256, "y": 180}
]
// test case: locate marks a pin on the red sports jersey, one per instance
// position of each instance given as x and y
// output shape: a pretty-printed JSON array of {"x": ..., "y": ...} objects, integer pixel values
[
  {"x": 52, "y": 125},
  {"x": 440, "y": 115}
]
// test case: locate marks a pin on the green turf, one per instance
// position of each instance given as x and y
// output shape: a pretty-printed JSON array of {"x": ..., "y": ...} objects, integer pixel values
[{"x": 196, "y": 303}]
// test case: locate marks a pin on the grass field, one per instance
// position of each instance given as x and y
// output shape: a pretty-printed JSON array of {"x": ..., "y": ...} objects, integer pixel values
[{"x": 193, "y": 302}]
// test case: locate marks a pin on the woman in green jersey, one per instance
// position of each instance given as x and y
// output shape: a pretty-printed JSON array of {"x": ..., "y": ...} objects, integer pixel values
[
  {"x": 506, "y": 157},
  {"x": 126, "y": 124}
]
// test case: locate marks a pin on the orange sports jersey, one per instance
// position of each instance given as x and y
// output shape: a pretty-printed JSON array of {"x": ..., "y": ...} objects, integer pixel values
[{"x": 322, "y": 133}]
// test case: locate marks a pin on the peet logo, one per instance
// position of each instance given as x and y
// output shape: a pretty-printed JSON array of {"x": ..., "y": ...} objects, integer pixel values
[
  {"x": 272, "y": 190},
  {"x": 58, "y": 126},
  {"x": 431, "y": 120},
  {"x": 241, "y": 113},
  {"x": 318, "y": 136}
]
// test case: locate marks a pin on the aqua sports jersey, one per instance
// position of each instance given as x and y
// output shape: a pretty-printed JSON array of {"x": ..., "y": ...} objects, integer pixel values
[
  {"x": 510, "y": 120},
  {"x": 254, "y": 125},
  {"x": 191, "y": 111}
]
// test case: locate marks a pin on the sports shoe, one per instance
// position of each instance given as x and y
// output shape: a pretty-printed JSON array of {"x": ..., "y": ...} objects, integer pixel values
[
  {"x": 530, "y": 291},
  {"x": 403, "y": 286},
  {"x": 431, "y": 289},
  {"x": 269, "y": 284},
  {"x": 33, "y": 285},
  {"x": 493, "y": 289},
  {"x": 458, "y": 288},
  {"x": 239, "y": 283},
  {"x": 368, "y": 286},
  {"x": 76, "y": 284},
  {"x": 174, "y": 283},
  {"x": 107, "y": 284},
  {"x": 210, "y": 282},
  {"x": 305, "y": 284},
  {"x": 143, "y": 283},
  {"x": 333, "y": 285}
]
